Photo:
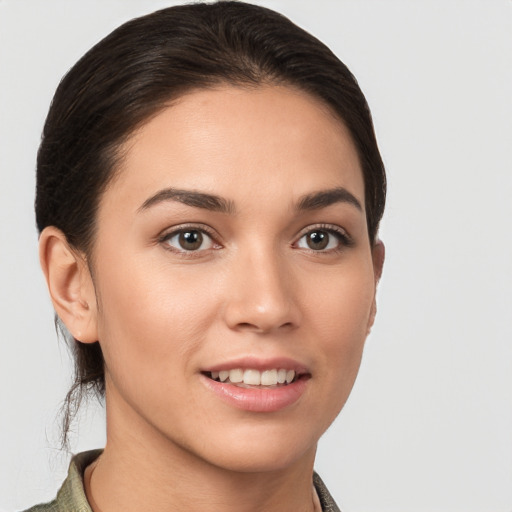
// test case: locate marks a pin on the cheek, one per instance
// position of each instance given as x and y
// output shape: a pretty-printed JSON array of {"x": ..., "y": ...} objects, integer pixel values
[
  {"x": 340, "y": 304},
  {"x": 150, "y": 320},
  {"x": 339, "y": 316}
]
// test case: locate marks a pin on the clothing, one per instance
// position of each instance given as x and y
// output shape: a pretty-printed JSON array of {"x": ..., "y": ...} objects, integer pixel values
[{"x": 71, "y": 496}]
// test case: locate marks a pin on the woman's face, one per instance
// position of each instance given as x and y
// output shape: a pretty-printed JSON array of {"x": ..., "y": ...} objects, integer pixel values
[{"x": 232, "y": 253}]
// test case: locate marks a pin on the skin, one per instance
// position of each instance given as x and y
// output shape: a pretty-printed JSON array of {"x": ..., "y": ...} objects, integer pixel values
[{"x": 254, "y": 288}]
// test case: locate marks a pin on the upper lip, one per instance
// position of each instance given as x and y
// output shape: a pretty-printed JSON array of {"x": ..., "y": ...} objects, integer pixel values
[{"x": 258, "y": 363}]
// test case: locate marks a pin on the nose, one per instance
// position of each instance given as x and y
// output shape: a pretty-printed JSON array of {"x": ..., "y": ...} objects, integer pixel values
[{"x": 261, "y": 294}]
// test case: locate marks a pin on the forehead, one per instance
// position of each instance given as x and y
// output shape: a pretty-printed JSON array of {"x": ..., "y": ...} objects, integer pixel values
[{"x": 234, "y": 141}]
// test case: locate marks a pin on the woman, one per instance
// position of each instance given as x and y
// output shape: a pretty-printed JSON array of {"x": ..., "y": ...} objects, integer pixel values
[{"x": 209, "y": 192}]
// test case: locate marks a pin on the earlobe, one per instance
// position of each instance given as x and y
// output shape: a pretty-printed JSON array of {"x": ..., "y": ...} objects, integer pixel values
[
  {"x": 378, "y": 256},
  {"x": 69, "y": 283}
]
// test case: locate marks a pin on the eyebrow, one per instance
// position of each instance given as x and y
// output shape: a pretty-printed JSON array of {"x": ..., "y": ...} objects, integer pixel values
[
  {"x": 313, "y": 201},
  {"x": 324, "y": 198},
  {"x": 190, "y": 198}
]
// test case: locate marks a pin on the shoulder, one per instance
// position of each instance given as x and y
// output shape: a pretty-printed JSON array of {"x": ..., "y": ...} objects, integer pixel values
[
  {"x": 45, "y": 507},
  {"x": 71, "y": 496}
]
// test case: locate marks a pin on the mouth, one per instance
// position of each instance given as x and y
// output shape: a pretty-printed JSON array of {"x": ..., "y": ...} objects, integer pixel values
[
  {"x": 258, "y": 386},
  {"x": 252, "y": 378}
]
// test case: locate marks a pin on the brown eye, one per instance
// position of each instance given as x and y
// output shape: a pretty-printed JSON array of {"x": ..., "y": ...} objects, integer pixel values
[
  {"x": 189, "y": 240},
  {"x": 324, "y": 240},
  {"x": 318, "y": 240}
]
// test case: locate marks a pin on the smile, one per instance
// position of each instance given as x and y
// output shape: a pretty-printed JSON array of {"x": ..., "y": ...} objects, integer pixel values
[
  {"x": 258, "y": 386},
  {"x": 275, "y": 377}
]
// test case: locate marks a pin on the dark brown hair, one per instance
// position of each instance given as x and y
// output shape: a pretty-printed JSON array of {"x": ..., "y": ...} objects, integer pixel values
[{"x": 134, "y": 72}]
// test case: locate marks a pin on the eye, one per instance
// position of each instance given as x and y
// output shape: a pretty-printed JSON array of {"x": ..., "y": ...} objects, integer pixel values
[
  {"x": 189, "y": 240},
  {"x": 323, "y": 239}
]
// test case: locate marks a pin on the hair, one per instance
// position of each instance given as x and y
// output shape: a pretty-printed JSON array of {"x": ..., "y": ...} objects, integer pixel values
[{"x": 134, "y": 72}]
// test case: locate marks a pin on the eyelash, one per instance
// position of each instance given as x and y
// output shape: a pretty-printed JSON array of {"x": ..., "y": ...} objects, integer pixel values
[
  {"x": 344, "y": 240},
  {"x": 187, "y": 228}
]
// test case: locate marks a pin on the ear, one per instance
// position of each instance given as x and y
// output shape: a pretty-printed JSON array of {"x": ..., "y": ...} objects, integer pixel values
[
  {"x": 70, "y": 284},
  {"x": 378, "y": 255}
]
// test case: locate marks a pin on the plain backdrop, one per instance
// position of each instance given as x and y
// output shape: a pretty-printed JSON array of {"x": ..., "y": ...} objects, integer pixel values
[{"x": 429, "y": 424}]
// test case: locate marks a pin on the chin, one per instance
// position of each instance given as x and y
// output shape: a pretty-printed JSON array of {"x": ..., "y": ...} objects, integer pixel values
[
  {"x": 260, "y": 458},
  {"x": 258, "y": 450}
]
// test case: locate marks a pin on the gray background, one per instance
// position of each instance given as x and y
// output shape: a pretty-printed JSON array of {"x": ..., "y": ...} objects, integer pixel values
[{"x": 429, "y": 424}]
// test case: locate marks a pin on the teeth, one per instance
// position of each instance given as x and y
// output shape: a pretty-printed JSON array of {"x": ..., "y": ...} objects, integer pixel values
[
  {"x": 252, "y": 377},
  {"x": 236, "y": 376},
  {"x": 269, "y": 378}
]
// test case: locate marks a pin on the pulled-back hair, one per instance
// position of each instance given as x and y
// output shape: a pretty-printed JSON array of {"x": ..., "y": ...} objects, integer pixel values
[{"x": 136, "y": 71}]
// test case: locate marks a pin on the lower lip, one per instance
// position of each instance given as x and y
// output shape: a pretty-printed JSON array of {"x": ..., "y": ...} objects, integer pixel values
[{"x": 257, "y": 399}]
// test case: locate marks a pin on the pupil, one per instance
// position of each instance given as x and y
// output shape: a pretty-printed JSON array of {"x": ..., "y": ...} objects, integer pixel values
[
  {"x": 318, "y": 240},
  {"x": 191, "y": 240}
]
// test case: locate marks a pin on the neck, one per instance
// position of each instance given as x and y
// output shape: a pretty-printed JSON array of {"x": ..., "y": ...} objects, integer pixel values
[{"x": 142, "y": 470}]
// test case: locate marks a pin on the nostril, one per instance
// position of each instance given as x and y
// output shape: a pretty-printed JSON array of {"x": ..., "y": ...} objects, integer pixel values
[{"x": 246, "y": 325}]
